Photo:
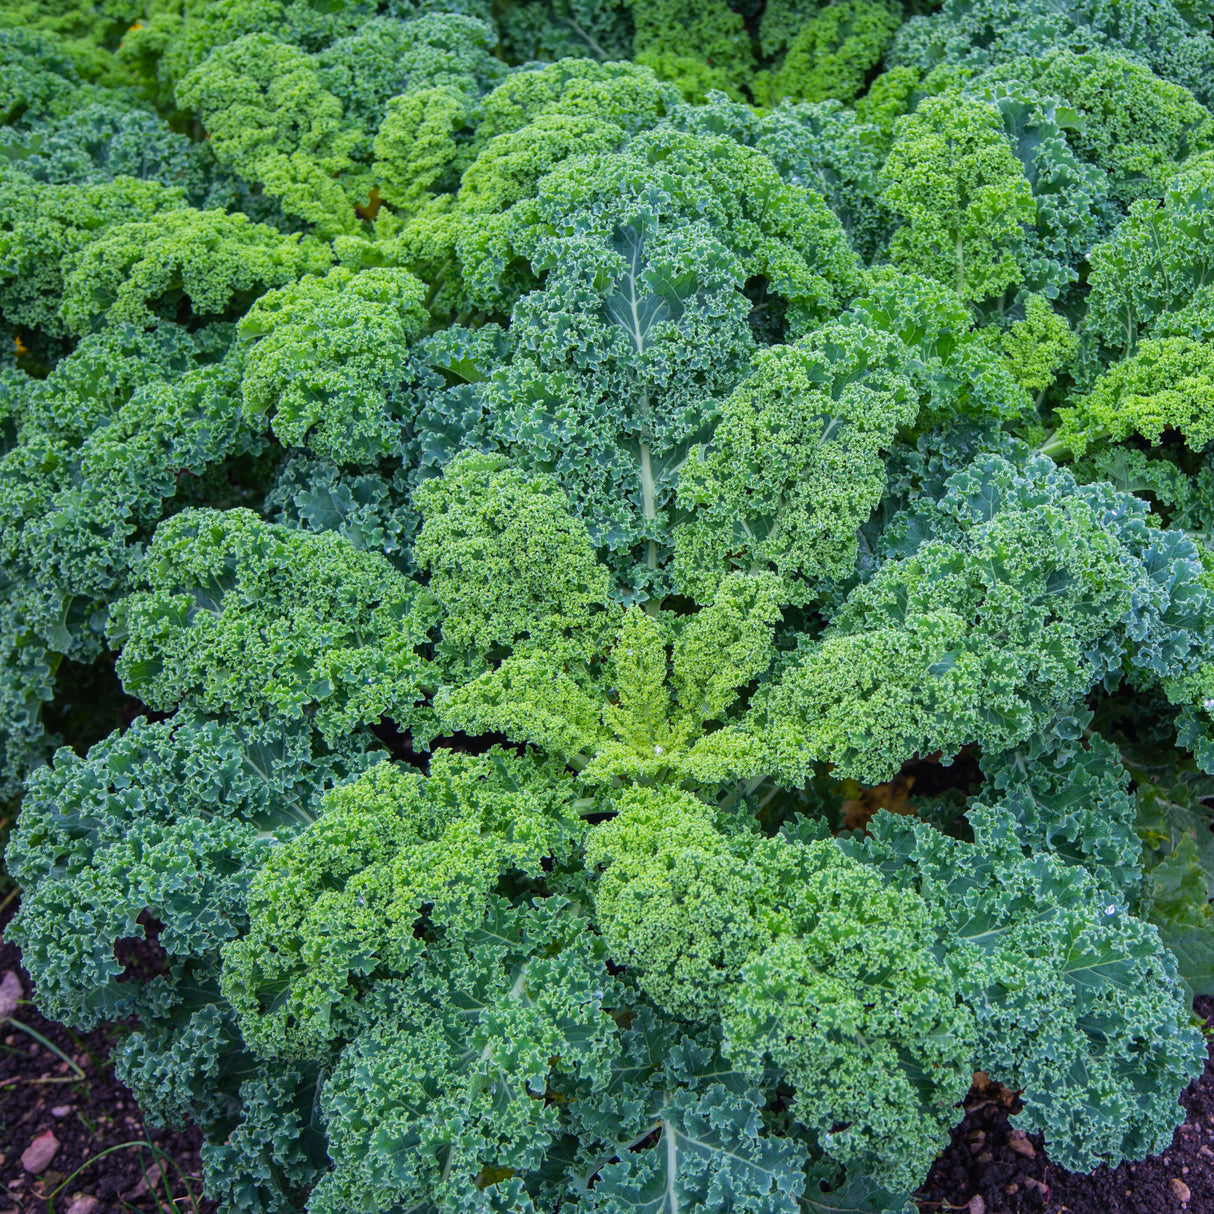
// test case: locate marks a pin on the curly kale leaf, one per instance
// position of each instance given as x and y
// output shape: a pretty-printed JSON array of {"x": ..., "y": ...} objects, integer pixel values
[
  {"x": 823, "y": 147},
  {"x": 40, "y": 80},
  {"x": 243, "y": 617},
  {"x": 811, "y": 962},
  {"x": 462, "y": 1071},
  {"x": 1069, "y": 795},
  {"x": 1077, "y": 1001},
  {"x": 959, "y": 374},
  {"x": 1173, "y": 823},
  {"x": 962, "y": 195},
  {"x": 505, "y": 142},
  {"x": 118, "y": 428},
  {"x": 27, "y": 683},
  {"x": 268, "y": 1155},
  {"x": 627, "y": 94},
  {"x": 641, "y": 717},
  {"x": 1156, "y": 262},
  {"x": 1166, "y": 384},
  {"x": 698, "y": 45},
  {"x": 271, "y": 120},
  {"x": 616, "y": 365},
  {"x": 387, "y": 57},
  {"x": 832, "y": 54},
  {"x": 45, "y": 228},
  {"x": 710, "y": 1152},
  {"x": 337, "y": 908},
  {"x": 211, "y": 265},
  {"x": 171, "y": 818},
  {"x": 1071, "y": 198},
  {"x": 369, "y": 510},
  {"x": 999, "y": 608},
  {"x": 548, "y": 30},
  {"x": 795, "y": 463},
  {"x": 1133, "y": 125},
  {"x": 329, "y": 358},
  {"x": 507, "y": 560},
  {"x": 108, "y": 437},
  {"x": 982, "y": 33},
  {"x": 104, "y": 141}
]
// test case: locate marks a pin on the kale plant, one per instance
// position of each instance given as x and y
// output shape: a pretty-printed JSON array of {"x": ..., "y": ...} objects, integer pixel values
[{"x": 488, "y": 488}]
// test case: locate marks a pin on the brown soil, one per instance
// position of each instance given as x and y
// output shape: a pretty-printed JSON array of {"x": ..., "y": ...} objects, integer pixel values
[{"x": 989, "y": 1168}]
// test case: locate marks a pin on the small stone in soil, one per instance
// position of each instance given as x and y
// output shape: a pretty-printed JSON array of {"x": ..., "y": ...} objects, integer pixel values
[
  {"x": 1180, "y": 1190},
  {"x": 38, "y": 1155},
  {"x": 976, "y": 1204},
  {"x": 152, "y": 1179},
  {"x": 61, "y": 1110},
  {"x": 83, "y": 1205},
  {"x": 1019, "y": 1142},
  {"x": 10, "y": 994}
]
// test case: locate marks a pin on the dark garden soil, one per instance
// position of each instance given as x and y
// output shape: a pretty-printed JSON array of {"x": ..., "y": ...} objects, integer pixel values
[{"x": 56, "y": 1125}]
